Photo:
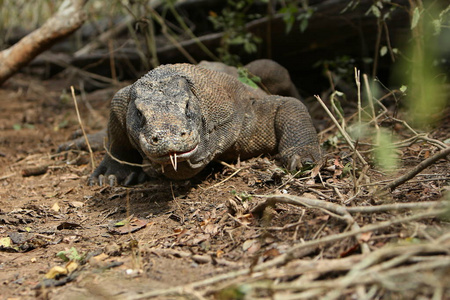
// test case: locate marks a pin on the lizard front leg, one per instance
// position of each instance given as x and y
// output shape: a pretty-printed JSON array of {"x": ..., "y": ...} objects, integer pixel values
[
  {"x": 119, "y": 164},
  {"x": 296, "y": 136}
]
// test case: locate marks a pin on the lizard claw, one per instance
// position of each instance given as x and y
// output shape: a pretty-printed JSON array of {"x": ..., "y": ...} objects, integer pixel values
[
  {"x": 112, "y": 180},
  {"x": 298, "y": 159},
  {"x": 112, "y": 173}
]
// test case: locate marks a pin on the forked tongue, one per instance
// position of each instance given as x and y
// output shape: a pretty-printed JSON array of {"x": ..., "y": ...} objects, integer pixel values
[{"x": 173, "y": 160}]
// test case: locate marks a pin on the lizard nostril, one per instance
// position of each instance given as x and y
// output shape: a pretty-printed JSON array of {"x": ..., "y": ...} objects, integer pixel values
[
  {"x": 155, "y": 140},
  {"x": 183, "y": 134}
]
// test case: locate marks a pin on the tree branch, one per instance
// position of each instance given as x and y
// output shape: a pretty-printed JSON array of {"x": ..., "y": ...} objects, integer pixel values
[{"x": 69, "y": 17}]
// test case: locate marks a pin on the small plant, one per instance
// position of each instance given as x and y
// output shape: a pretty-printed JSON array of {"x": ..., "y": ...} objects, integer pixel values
[
  {"x": 292, "y": 13},
  {"x": 232, "y": 21},
  {"x": 243, "y": 196},
  {"x": 70, "y": 255},
  {"x": 249, "y": 79}
]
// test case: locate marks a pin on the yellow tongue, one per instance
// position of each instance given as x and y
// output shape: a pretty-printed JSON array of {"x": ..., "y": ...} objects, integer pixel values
[{"x": 173, "y": 160}]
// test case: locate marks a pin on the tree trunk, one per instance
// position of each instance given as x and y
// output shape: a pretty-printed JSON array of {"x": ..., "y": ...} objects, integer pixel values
[{"x": 69, "y": 17}]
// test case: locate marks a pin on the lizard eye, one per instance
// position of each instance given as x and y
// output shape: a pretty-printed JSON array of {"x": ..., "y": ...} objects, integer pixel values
[{"x": 140, "y": 117}]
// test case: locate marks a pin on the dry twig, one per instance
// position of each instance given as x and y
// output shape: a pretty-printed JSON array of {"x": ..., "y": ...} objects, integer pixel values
[
  {"x": 82, "y": 127},
  {"x": 414, "y": 171},
  {"x": 342, "y": 131}
]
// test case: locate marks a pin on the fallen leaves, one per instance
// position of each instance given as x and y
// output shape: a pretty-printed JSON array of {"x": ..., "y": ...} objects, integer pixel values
[{"x": 128, "y": 225}]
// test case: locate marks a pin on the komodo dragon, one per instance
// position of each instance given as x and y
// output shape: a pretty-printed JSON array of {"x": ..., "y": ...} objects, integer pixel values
[{"x": 178, "y": 118}]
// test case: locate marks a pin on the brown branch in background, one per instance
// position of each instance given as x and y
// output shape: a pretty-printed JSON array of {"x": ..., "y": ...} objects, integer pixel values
[
  {"x": 165, "y": 31},
  {"x": 377, "y": 48},
  {"x": 388, "y": 41},
  {"x": 414, "y": 171},
  {"x": 105, "y": 37},
  {"x": 69, "y": 17}
]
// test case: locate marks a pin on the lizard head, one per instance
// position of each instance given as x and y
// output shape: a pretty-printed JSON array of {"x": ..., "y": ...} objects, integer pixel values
[{"x": 164, "y": 118}]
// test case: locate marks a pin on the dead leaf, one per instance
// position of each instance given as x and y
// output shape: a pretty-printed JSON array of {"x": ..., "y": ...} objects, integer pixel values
[
  {"x": 199, "y": 238},
  {"x": 211, "y": 228},
  {"x": 251, "y": 246},
  {"x": 124, "y": 221},
  {"x": 350, "y": 251},
  {"x": 56, "y": 207},
  {"x": 76, "y": 204},
  {"x": 68, "y": 225},
  {"x": 20, "y": 237},
  {"x": 315, "y": 171},
  {"x": 56, "y": 271},
  {"x": 7, "y": 244},
  {"x": 246, "y": 219},
  {"x": 365, "y": 237},
  {"x": 337, "y": 163},
  {"x": 273, "y": 252},
  {"x": 134, "y": 225},
  {"x": 219, "y": 253},
  {"x": 71, "y": 266}
]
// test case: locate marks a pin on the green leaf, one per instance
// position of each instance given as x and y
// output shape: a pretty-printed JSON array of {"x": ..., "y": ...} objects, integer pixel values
[
  {"x": 62, "y": 255},
  {"x": 70, "y": 255},
  {"x": 376, "y": 11},
  {"x": 337, "y": 105},
  {"x": 403, "y": 88},
  {"x": 245, "y": 77},
  {"x": 248, "y": 82},
  {"x": 383, "y": 51},
  {"x": 304, "y": 24},
  {"x": 415, "y": 18},
  {"x": 289, "y": 13},
  {"x": 237, "y": 40}
]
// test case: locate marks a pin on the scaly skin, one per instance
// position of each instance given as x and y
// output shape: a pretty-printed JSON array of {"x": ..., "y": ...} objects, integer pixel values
[{"x": 178, "y": 118}]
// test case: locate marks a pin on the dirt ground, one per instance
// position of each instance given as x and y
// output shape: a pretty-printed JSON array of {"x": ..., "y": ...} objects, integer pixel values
[{"x": 180, "y": 232}]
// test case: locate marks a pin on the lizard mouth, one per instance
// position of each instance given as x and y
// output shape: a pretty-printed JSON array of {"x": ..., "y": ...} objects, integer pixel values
[{"x": 174, "y": 157}]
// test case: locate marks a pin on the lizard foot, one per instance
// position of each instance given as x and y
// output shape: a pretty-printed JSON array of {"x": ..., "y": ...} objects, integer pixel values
[
  {"x": 299, "y": 157},
  {"x": 111, "y": 172}
]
